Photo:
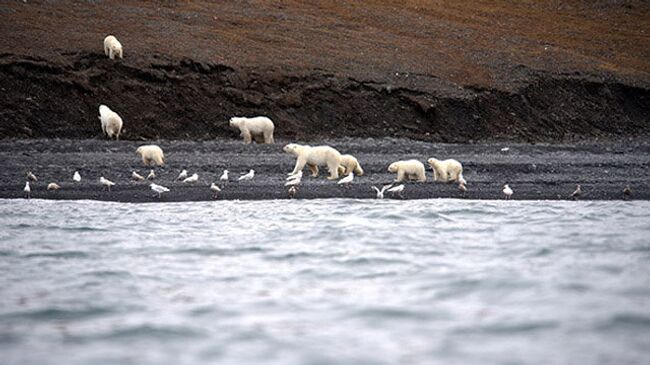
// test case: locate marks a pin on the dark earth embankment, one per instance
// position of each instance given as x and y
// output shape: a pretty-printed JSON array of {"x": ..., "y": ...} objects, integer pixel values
[{"x": 433, "y": 71}]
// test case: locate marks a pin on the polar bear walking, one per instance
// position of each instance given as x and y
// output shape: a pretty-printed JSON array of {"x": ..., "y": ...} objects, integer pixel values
[
  {"x": 447, "y": 170},
  {"x": 152, "y": 155},
  {"x": 408, "y": 170},
  {"x": 258, "y": 128},
  {"x": 112, "y": 47},
  {"x": 111, "y": 122},
  {"x": 314, "y": 157},
  {"x": 350, "y": 164}
]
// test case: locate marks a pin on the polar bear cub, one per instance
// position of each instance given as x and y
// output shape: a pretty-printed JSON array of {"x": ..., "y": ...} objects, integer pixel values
[
  {"x": 258, "y": 128},
  {"x": 152, "y": 155},
  {"x": 111, "y": 122},
  {"x": 409, "y": 170},
  {"x": 112, "y": 47},
  {"x": 447, "y": 170},
  {"x": 314, "y": 157},
  {"x": 349, "y": 164}
]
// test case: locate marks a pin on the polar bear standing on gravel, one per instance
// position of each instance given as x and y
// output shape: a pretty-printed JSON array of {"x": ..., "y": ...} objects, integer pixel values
[
  {"x": 111, "y": 122},
  {"x": 409, "y": 170},
  {"x": 349, "y": 164},
  {"x": 447, "y": 170},
  {"x": 258, "y": 128},
  {"x": 112, "y": 47},
  {"x": 151, "y": 154},
  {"x": 314, "y": 157}
]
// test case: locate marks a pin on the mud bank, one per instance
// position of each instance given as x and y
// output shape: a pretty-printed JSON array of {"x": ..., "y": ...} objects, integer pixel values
[{"x": 533, "y": 171}]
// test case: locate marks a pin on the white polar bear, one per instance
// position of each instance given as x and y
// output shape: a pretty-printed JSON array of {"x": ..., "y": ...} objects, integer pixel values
[
  {"x": 447, "y": 170},
  {"x": 349, "y": 164},
  {"x": 258, "y": 128},
  {"x": 151, "y": 154},
  {"x": 111, "y": 122},
  {"x": 314, "y": 157},
  {"x": 112, "y": 47},
  {"x": 409, "y": 170}
]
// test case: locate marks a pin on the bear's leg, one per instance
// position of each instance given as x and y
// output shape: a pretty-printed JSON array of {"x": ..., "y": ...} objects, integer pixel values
[
  {"x": 421, "y": 176},
  {"x": 400, "y": 175},
  {"x": 259, "y": 138},
  {"x": 333, "y": 168},
  {"x": 247, "y": 136},
  {"x": 300, "y": 164},
  {"x": 268, "y": 137},
  {"x": 120, "y": 53},
  {"x": 342, "y": 170},
  {"x": 110, "y": 53},
  {"x": 313, "y": 169}
]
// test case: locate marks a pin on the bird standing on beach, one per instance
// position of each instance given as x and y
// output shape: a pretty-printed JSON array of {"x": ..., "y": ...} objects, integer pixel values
[
  {"x": 182, "y": 175},
  {"x": 397, "y": 190},
  {"x": 31, "y": 177},
  {"x": 627, "y": 192},
  {"x": 577, "y": 193},
  {"x": 248, "y": 176},
  {"x": 27, "y": 189},
  {"x": 215, "y": 190},
  {"x": 158, "y": 189},
  {"x": 292, "y": 191},
  {"x": 507, "y": 191},
  {"x": 224, "y": 176},
  {"x": 380, "y": 193},
  {"x": 53, "y": 186},
  {"x": 76, "y": 177},
  {"x": 136, "y": 176},
  {"x": 107, "y": 183},
  {"x": 151, "y": 176},
  {"x": 462, "y": 188},
  {"x": 192, "y": 179},
  {"x": 346, "y": 181}
]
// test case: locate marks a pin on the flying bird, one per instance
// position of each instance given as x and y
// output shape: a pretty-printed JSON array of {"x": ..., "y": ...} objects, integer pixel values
[
  {"x": 31, "y": 176},
  {"x": 158, "y": 189},
  {"x": 151, "y": 176},
  {"x": 182, "y": 175},
  {"x": 27, "y": 189},
  {"x": 53, "y": 186},
  {"x": 248, "y": 176},
  {"x": 76, "y": 177},
  {"x": 397, "y": 190},
  {"x": 215, "y": 190},
  {"x": 106, "y": 183},
  {"x": 192, "y": 179},
  {"x": 380, "y": 193},
  {"x": 136, "y": 176},
  {"x": 577, "y": 193},
  {"x": 346, "y": 180},
  {"x": 507, "y": 191}
]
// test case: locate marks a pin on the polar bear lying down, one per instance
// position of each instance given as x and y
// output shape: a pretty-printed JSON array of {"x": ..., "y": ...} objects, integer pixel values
[
  {"x": 409, "y": 170},
  {"x": 447, "y": 170},
  {"x": 314, "y": 157},
  {"x": 258, "y": 128}
]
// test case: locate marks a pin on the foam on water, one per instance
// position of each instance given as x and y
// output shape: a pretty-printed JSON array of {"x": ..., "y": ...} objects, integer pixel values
[{"x": 324, "y": 281}]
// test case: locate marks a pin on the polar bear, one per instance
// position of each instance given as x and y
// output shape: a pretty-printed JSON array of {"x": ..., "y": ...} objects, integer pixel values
[
  {"x": 151, "y": 154},
  {"x": 258, "y": 128},
  {"x": 314, "y": 157},
  {"x": 112, "y": 47},
  {"x": 409, "y": 170},
  {"x": 111, "y": 122},
  {"x": 349, "y": 164},
  {"x": 447, "y": 170}
]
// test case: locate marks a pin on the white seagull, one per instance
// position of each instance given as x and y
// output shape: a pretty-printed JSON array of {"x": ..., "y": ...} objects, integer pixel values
[
  {"x": 151, "y": 176},
  {"x": 27, "y": 189},
  {"x": 297, "y": 175},
  {"x": 397, "y": 190},
  {"x": 380, "y": 193},
  {"x": 31, "y": 176},
  {"x": 182, "y": 175},
  {"x": 106, "y": 183},
  {"x": 137, "y": 176},
  {"x": 158, "y": 189},
  {"x": 215, "y": 190},
  {"x": 507, "y": 191},
  {"x": 192, "y": 179},
  {"x": 346, "y": 180},
  {"x": 76, "y": 177},
  {"x": 248, "y": 176},
  {"x": 224, "y": 176}
]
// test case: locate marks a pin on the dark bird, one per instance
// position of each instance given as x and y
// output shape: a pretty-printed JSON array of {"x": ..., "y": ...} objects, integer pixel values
[
  {"x": 31, "y": 176},
  {"x": 627, "y": 192},
  {"x": 292, "y": 191},
  {"x": 576, "y": 194}
]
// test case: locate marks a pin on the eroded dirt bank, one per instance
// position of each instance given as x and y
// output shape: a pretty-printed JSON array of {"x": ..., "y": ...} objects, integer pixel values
[{"x": 431, "y": 71}]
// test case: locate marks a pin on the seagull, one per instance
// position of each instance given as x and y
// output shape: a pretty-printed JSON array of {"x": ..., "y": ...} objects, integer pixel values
[
  {"x": 627, "y": 192},
  {"x": 76, "y": 177},
  {"x": 346, "y": 180},
  {"x": 292, "y": 191},
  {"x": 224, "y": 176},
  {"x": 462, "y": 188},
  {"x": 397, "y": 190},
  {"x": 576, "y": 194},
  {"x": 297, "y": 175},
  {"x": 294, "y": 182},
  {"x": 158, "y": 189},
  {"x": 505, "y": 149},
  {"x": 192, "y": 179},
  {"x": 31, "y": 176},
  {"x": 136, "y": 176},
  {"x": 182, "y": 175},
  {"x": 507, "y": 191},
  {"x": 27, "y": 189},
  {"x": 106, "y": 183},
  {"x": 151, "y": 176},
  {"x": 248, "y": 176},
  {"x": 215, "y": 190},
  {"x": 380, "y": 193},
  {"x": 53, "y": 186}
]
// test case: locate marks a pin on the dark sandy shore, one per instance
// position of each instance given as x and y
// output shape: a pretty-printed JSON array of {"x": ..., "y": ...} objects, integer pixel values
[{"x": 533, "y": 171}]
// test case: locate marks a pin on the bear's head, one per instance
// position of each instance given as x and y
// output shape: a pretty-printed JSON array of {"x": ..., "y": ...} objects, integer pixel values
[
  {"x": 103, "y": 109},
  {"x": 139, "y": 150},
  {"x": 290, "y": 148},
  {"x": 235, "y": 122},
  {"x": 433, "y": 162},
  {"x": 393, "y": 167}
]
